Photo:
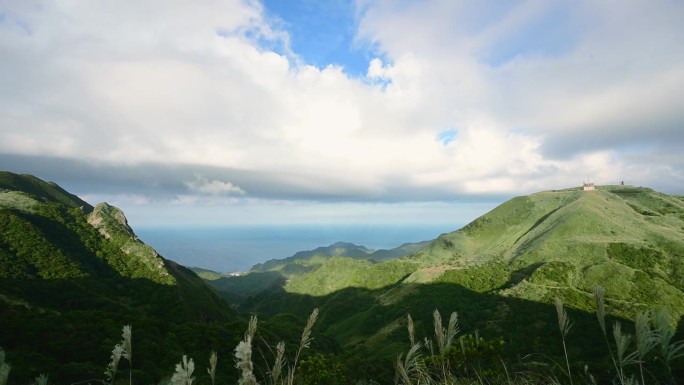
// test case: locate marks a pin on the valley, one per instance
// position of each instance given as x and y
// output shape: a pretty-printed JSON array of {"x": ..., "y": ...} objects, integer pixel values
[{"x": 72, "y": 274}]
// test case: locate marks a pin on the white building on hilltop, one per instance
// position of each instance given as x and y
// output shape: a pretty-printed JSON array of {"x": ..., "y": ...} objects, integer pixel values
[{"x": 589, "y": 186}]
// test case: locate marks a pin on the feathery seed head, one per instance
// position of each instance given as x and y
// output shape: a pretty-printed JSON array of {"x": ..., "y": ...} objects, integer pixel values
[
  {"x": 183, "y": 374},
  {"x": 213, "y": 360},
  {"x": 452, "y": 329},
  {"x": 411, "y": 330},
  {"x": 41, "y": 380},
  {"x": 251, "y": 328},
  {"x": 126, "y": 341},
  {"x": 439, "y": 331},
  {"x": 306, "y": 334},
  {"x": 599, "y": 298},
  {"x": 563, "y": 320},
  {"x": 646, "y": 338},
  {"x": 4, "y": 368},
  {"x": 117, "y": 352}
]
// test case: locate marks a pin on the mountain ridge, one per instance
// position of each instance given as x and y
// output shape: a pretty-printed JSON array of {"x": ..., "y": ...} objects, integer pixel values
[
  {"x": 557, "y": 243},
  {"x": 70, "y": 271}
]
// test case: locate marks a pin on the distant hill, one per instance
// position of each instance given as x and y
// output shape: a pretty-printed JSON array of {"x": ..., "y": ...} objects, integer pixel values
[
  {"x": 275, "y": 273},
  {"x": 73, "y": 272}
]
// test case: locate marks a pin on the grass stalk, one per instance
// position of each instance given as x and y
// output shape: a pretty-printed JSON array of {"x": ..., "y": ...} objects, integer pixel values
[
  {"x": 669, "y": 350},
  {"x": 128, "y": 350},
  {"x": 277, "y": 368},
  {"x": 622, "y": 342},
  {"x": 243, "y": 354},
  {"x": 600, "y": 300},
  {"x": 564, "y": 326},
  {"x": 304, "y": 342},
  {"x": 646, "y": 340},
  {"x": 213, "y": 360},
  {"x": 183, "y": 374},
  {"x": 4, "y": 368}
]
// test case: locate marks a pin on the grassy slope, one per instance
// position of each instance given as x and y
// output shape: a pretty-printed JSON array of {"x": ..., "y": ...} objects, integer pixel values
[
  {"x": 629, "y": 240},
  {"x": 70, "y": 272},
  {"x": 496, "y": 269}
]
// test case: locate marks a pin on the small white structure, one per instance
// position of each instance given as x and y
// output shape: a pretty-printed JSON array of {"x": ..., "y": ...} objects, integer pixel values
[{"x": 589, "y": 186}]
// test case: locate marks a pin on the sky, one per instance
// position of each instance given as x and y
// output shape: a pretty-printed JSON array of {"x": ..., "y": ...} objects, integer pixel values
[{"x": 301, "y": 111}]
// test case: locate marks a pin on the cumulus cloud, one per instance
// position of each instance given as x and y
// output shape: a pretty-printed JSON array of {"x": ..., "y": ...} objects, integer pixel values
[
  {"x": 213, "y": 187},
  {"x": 542, "y": 95}
]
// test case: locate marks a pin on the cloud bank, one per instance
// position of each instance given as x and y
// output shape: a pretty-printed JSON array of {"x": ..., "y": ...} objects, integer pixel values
[{"x": 461, "y": 99}]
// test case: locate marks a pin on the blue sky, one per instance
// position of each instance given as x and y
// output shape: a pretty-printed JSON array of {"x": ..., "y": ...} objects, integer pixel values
[
  {"x": 322, "y": 33},
  {"x": 368, "y": 111}
]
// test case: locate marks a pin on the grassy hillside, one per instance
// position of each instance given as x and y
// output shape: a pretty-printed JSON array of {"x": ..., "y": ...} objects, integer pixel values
[
  {"x": 553, "y": 243},
  {"x": 72, "y": 272},
  {"x": 502, "y": 272},
  {"x": 630, "y": 240}
]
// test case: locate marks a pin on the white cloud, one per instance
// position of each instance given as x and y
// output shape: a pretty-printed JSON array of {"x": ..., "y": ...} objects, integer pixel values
[
  {"x": 213, "y": 187},
  {"x": 182, "y": 83}
]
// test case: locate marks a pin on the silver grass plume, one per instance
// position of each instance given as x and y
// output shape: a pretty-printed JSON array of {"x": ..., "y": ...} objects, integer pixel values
[
  {"x": 411, "y": 330},
  {"x": 304, "y": 342},
  {"x": 41, "y": 380},
  {"x": 277, "y": 369},
  {"x": 279, "y": 363},
  {"x": 669, "y": 350},
  {"x": 563, "y": 320},
  {"x": 251, "y": 328},
  {"x": 110, "y": 372},
  {"x": 213, "y": 359},
  {"x": 564, "y": 326},
  {"x": 306, "y": 334},
  {"x": 4, "y": 368},
  {"x": 126, "y": 336},
  {"x": 126, "y": 341},
  {"x": 183, "y": 374},
  {"x": 599, "y": 297},
  {"x": 439, "y": 331},
  {"x": 243, "y": 353},
  {"x": 622, "y": 342},
  {"x": 409, "y": 369},
  {"x": 452, "y": 329},
  {"x": 646, "y": 339}
]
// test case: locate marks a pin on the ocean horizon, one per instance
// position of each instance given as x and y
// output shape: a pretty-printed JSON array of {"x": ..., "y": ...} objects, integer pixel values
[{"x": 230, "y": 249}]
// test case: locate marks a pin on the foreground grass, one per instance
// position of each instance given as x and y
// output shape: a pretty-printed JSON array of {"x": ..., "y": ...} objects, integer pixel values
[{"x": 448, "y": 358}]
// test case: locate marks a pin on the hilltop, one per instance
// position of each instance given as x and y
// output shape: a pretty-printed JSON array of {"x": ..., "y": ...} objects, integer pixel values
[{"x": 628, "y": 239}]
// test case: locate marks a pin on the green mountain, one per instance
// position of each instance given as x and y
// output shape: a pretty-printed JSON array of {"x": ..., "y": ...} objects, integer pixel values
[
  {"x": 275, "y": 273},
  {"x": 502, "y": 272},
  {"x": 304, "y": 261},
  {"x": 630, "y": 240},
  {"x": 71, "y": 273}
]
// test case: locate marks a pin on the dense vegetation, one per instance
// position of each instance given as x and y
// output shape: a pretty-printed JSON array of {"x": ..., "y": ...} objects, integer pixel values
[
  {"x": 649, "y": 356},
  {"x": 71, "y": 274}
]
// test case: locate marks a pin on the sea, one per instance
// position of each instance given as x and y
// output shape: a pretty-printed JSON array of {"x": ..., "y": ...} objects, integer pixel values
[{"x": 230, "y": 249}]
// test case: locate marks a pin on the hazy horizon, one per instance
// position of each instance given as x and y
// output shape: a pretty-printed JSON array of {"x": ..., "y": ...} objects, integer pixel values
[{"x": 237, "y": 248}]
